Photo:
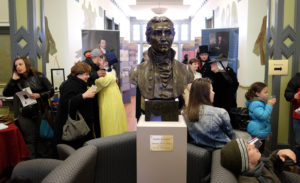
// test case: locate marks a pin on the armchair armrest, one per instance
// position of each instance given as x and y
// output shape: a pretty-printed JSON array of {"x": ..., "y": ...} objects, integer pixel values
[
  {"x": 35, "y": 170},
  {"x": 64, "y": 151}
]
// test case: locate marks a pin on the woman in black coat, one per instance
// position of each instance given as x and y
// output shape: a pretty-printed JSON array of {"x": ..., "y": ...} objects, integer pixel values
[
  {"x": 24, "y": 75},
  {"x": 74, "y": 96},
  {"x": 225, "y": 85}
]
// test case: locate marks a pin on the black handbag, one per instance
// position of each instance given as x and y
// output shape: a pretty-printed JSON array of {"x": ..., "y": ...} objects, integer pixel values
[{"x": 239, "y": 118}]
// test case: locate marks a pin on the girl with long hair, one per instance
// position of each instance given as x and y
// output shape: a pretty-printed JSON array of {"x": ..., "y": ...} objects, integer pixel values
[{"x": 208, "y": 126}]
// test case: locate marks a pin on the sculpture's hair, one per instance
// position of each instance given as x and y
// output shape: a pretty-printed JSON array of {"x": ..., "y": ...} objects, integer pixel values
[{"x": 155, "y": 20}]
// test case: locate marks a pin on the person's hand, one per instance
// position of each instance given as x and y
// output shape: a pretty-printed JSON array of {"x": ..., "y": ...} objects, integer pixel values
[
  {"x": 15, "y": 76},
  {"x": 283, "y": 153},
  {"x": 296, "y": 96},
  {"x": 35, "y": 95},
  {"x": 90, "y": 93},
  {"x": 272, "y": 101},
  {"x": 101, "y": 73}
]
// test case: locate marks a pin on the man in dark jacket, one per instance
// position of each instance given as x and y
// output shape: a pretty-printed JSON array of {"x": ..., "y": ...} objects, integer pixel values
[
  {"x": 292, "y": 94},
  {"x": 244, "y": 161},
  {"x": 93, "y": 61},
  {"x": 204, "y": 62}
]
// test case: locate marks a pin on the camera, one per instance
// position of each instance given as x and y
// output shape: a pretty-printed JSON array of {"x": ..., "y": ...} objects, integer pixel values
[{"x": 257, "y": 143}]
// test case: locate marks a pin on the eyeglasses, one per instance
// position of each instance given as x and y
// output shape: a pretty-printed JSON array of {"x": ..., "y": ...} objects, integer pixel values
[{"x": 257, "y": 143}]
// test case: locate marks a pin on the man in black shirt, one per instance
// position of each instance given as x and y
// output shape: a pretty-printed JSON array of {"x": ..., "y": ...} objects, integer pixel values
[{"x": 93, "y": 61}]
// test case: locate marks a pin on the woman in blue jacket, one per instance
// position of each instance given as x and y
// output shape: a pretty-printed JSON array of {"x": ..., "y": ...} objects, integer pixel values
[
  {"x": 260, "y": 109},
  {"x": 208, "y": 126}
]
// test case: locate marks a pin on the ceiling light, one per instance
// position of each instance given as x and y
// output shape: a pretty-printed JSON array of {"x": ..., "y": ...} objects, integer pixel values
[{"x": 159, "y": 10}]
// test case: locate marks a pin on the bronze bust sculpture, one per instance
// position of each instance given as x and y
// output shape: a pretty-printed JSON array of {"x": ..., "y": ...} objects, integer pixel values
[{"x": 162, "y": 77}]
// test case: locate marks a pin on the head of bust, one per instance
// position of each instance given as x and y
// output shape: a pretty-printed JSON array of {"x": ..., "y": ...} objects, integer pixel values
[{"x": 160, "y": 34}]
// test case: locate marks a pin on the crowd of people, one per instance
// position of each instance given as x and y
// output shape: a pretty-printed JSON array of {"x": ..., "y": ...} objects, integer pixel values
[{"x": 92, "y": 90}]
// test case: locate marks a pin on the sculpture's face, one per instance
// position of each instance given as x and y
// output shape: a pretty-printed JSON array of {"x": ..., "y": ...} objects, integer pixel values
[{"x": 161, "y": 37}]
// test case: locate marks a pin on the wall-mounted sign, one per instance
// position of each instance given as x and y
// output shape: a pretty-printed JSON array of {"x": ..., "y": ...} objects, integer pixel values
[
  {"x": 278, "y": 67},
  {"x": 161, "y": 143}
]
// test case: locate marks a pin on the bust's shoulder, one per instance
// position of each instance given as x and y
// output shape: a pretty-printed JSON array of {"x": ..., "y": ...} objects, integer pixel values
[
  {"x": 145, "y": 64},
  {"x": 179, "y": 64}
]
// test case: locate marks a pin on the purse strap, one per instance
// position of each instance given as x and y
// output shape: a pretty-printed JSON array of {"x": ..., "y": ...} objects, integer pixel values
[{"x": 69, "y": 105}]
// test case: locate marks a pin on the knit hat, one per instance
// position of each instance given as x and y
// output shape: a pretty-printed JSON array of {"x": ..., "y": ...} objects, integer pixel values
[
  {"x": 96, "y": 53},
  {"x": 234, "y": 156},
  {"x": 203, "y": 49}
]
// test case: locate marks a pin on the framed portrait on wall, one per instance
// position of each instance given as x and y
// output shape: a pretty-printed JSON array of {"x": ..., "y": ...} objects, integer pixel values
[
  {"x": 57, "y": 78},
  {"x": 219, "y": 43},
  {"x": 223, "y": 41}
]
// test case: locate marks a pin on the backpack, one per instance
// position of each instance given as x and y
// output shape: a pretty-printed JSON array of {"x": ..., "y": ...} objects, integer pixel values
[{"x": 239, "y": 118}]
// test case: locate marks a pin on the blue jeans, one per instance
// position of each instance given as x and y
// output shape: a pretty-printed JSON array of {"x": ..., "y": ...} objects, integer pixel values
[{"x": 296, "y": 128}]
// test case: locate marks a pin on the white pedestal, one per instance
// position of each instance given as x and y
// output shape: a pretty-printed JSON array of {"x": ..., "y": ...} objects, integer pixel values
[{"x": 161, "y": 151}]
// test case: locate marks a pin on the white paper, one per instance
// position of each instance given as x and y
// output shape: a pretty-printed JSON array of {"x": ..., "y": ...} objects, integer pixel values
[
  {"x": 93, "y": 88},
  {"x": 3, "y": 126},
  {"x": 28, "y": 90},
  {"x": 24, "y": 96}
]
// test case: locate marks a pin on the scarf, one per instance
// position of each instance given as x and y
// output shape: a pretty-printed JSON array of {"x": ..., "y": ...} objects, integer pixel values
[{"x": 257, "y": 172}]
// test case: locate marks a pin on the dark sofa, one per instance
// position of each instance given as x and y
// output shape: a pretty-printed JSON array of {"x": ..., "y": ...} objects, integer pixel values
[{"x": 107, "y": 160}]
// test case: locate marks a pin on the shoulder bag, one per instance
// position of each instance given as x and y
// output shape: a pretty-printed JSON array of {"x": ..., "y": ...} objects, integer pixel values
[{"x": 75, "y": 129}]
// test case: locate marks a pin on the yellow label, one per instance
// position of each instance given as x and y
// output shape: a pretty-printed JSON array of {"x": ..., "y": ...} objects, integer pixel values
[
  {"x": 278, "y": 67},
  {"x": 161, "y": 143}
]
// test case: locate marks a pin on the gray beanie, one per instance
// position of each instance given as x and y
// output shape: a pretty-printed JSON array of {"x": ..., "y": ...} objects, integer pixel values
[
  {"x": 234, "y": 156},
  {"x": 96, "y": 53}
]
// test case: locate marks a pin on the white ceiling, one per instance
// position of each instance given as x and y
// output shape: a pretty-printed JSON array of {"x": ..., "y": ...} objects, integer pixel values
[{"x": 176, "y": 9}]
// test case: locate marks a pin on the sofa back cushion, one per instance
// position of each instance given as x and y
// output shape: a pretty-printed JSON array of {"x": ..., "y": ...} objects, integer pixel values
[
  {"x": 198, "y": 164},
  {"x": 116, "y": 158}
]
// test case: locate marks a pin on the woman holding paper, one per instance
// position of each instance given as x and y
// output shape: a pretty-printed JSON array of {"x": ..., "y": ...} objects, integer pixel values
[
  {"x": 39, "y": 89},
  {"x": 75, "y": 96}
]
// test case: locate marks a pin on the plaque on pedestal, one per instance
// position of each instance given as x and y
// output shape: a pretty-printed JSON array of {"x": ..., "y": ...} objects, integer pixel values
[
  {"x": 161, "y": 110},
  {"x": 161, "y": 151}
]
